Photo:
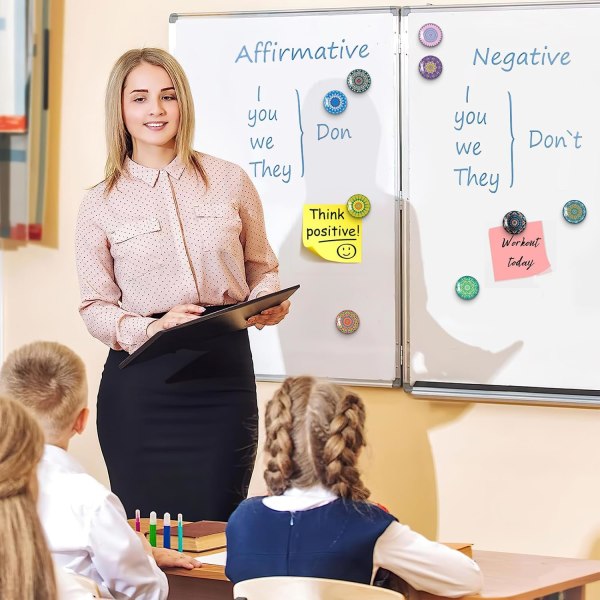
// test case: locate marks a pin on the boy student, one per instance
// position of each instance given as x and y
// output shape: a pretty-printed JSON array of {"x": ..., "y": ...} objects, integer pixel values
[{"x": 84, "y": 522}]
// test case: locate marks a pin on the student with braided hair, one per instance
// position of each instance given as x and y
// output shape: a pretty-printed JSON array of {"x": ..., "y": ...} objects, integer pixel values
[{"x": 316, "y": 521}]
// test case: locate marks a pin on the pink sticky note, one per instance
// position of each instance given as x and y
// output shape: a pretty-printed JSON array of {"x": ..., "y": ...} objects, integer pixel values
[{"x": 516, "y": 256}]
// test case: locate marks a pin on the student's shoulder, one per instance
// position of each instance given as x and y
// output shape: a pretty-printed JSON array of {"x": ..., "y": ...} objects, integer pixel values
[
  {"x": 79, "y": 490},
  {"x": 367, "y": 510},
  {"x": 247, "y": 507}
]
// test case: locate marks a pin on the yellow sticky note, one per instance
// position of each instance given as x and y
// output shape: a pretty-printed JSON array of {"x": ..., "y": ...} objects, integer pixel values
[{"x": 332, "y": 233}]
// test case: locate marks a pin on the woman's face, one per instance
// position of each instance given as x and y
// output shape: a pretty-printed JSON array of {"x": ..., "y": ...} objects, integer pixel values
[{"x": 150, "y": 108}]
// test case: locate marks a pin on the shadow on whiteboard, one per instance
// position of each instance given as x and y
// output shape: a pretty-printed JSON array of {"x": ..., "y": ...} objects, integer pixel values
[
  {"x": 435, "y": 355},
  {"x": 337, "y": 167}
]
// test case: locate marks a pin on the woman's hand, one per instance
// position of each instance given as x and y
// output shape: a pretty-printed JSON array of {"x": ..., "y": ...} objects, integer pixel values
[
  {"x": 182, "y": 313},
  {"x": 270, "y": 316}
]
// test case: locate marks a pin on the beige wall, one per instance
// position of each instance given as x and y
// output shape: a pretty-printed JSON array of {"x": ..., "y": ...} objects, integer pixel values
[{"x": 504, "y": 477}]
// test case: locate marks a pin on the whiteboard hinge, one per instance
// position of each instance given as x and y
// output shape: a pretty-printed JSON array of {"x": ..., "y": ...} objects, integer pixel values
[
  {"x": 401, "y": 355},
  {"x": 399, "y": 48}
]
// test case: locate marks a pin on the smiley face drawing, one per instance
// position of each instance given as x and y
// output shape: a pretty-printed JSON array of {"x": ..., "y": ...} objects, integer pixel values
[{"x": 346, "y": 251}]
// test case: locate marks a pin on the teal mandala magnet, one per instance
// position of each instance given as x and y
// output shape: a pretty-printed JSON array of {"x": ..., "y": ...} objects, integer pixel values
[
  {"x": 347, "y": 321},
  {"x": 514, "y": 222},
  {"x": 467, "y": 287},
  {"x": 358, "y": 206},
  {"x": 358, "y": 81},
  {"x": 335, "y": 102},
  {"x": 574, "y": 211}
]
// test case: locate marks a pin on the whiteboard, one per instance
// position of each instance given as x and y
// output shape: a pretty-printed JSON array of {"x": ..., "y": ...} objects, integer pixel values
[
  {"x": 516, "y": 80},
  {"x": 256, "y": 76}
]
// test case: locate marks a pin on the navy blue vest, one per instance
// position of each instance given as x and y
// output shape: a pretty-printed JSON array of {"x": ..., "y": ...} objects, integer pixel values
[{"x": 335, "y": 541}]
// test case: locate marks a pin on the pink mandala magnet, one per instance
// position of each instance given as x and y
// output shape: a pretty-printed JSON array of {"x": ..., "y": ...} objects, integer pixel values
[
  {"x": 430, "y": 67},
  {"x": 347, "y": 321},
  {"x": 430, "y": 35}
]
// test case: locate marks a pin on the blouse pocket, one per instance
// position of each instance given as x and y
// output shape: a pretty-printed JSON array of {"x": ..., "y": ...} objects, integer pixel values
[
  {"x": 131, "y": 230},
  {"x": 137, "y": 249},
  {"x": 220, "y": 227}
]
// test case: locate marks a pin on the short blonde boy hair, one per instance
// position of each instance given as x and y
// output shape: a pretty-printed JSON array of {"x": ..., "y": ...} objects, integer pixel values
[{"x": 50, "y": 380}]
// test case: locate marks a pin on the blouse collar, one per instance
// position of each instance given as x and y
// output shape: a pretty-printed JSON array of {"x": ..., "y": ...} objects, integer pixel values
[{"x": 149, "y": 175}]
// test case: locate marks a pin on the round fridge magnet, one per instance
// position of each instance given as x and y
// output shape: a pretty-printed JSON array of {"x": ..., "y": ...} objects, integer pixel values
[
  {"x": 467, "y": 287},
  {"x": 514, "y": 222},
  {"x": 430, "y": 67},
  {"x": 574, "y": 211},
  {"x": 430, "y": 35},
  {"x": 347, "y": 321},
  {"x": 358, "y": 206},
  {"x": 358, "y": 81},
  {"x": 335, "y": 102}
]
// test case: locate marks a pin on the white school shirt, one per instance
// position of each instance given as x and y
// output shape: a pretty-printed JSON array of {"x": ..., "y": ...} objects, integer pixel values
[
  {"x": 87, "y": 531},
  {"x": 425, "y": 565},
  {"x": 68, "y": 588}
]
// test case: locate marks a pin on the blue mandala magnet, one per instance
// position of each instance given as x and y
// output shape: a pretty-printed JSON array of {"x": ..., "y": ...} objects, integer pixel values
[
  {"x": 467, "y": 287},
  {"x": 514, "y": 222},
  {"x": 335, "y": 102},
  {"x": 430, "y": 67},
  {"x": 347, "y": 321},
  {"x": 358, "y": 81},
  {"x": 358, "y": 206},
  {"x": 574, "y": 211},
  {"x": 430, "y": 35}
]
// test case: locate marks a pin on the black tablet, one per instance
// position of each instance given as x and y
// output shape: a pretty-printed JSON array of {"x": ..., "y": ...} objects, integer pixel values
[{"x": 193, "y": 335}]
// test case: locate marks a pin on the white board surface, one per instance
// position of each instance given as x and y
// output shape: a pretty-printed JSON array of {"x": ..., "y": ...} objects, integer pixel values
[
  {"x": 247, "y": 91},
  {"x": 519, "y": 81}
]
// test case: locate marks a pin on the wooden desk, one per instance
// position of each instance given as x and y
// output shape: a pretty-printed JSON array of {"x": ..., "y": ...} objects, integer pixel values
[
  {"x": 208, "y": 582},
  {"x": 509, "y": 576},
  {"x": 506, "y": 576}
]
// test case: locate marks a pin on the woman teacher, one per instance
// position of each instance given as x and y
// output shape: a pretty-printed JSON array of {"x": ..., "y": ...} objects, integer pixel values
[{"x": 169, "y": 235}]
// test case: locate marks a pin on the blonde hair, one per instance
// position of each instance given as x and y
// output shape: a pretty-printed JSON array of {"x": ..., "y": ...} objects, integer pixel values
[
  {"x": 50, "y": 380},
  {"x": 26, "y": 567},
  {"x": 118, "y": 139},
  {"x": 314, "y": 434}
]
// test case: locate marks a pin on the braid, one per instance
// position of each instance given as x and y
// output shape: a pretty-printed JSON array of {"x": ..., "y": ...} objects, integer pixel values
[
  {"x": 340, "y": 454},
  {"x": 279, "y": 444}
]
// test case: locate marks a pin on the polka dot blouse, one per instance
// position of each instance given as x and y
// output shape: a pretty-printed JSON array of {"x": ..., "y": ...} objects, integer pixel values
[{"x": 161, "y": 238}]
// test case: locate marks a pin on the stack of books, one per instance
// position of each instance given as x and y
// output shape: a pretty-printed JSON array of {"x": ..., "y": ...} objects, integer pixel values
[{"x": 198, "y": 536}]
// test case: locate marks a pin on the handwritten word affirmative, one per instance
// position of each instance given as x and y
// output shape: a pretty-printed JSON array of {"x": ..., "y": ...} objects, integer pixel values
[{"x": 271, "y": 52}]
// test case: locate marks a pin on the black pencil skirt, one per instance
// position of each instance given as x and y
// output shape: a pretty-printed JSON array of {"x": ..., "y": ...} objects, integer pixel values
[{"x": 179, "y": 432}]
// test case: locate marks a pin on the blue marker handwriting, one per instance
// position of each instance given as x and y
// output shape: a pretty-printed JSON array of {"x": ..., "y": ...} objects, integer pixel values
[
  {"x": 522, "y": 58},
  {"x": 270, "y": 52}
]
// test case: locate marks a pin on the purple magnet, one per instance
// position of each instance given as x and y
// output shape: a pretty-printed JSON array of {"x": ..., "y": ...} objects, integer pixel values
[{"x": 430, "y": 67}]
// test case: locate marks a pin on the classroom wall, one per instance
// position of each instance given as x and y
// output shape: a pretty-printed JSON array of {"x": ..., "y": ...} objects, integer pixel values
[{"x": 512, "y": 478}]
